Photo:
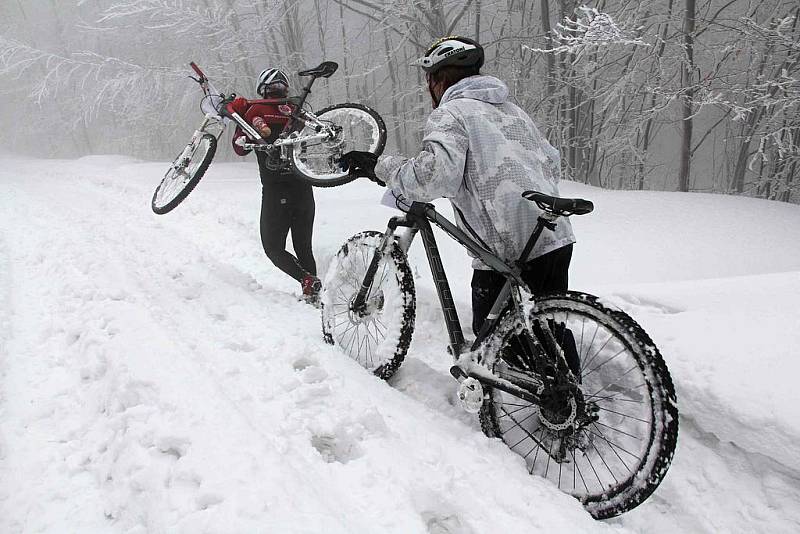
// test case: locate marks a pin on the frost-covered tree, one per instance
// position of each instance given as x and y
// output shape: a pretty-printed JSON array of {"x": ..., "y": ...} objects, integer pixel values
[{"x": 696, "y": 95}]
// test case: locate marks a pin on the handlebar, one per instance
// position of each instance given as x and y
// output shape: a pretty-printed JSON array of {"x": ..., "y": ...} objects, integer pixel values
[{"x": 199, "y": 72}]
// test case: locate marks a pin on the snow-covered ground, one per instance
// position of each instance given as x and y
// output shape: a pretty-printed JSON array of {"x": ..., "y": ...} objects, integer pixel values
[{"x": 158, "y": 375}]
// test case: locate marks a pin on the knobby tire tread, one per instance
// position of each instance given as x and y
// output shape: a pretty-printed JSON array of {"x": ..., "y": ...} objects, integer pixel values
[
  {"x": 406, "y": 285},
  {"x": 665, "y": 424},
  {"x": 350, "y": 177},
  {"x": 190, "y": 185}
]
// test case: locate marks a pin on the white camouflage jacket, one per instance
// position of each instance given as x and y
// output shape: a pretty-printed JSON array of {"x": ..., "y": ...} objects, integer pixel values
[{"x": 481, "y": 151}]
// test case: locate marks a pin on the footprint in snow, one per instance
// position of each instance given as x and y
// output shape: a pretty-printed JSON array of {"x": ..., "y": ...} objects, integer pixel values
[
  {"x": 342, "y": 444},
  {"x": 339, "y": 448},
  {"x": 439, "y": 515},
  {"x": 303, "y": 362}
]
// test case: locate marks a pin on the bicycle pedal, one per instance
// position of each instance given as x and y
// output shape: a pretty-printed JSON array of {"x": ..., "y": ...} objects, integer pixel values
[{"x": 470, "y": 393}]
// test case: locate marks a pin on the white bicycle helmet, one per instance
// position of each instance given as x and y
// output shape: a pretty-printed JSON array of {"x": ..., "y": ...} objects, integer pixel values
[
  {"x": 453, "y": 50},
  {"x": 269, "y": 77}
]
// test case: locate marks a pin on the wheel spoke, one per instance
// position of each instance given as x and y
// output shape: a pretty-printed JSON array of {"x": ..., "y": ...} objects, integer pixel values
[
  {"x": 591, "y": 344},
  {"x": 600, "y": 482},
  {"x": 616, "y": 399},
  {"x": 519, "y": 424},
  {"x": 623, "y": 375},
  {"x": 617, "y": 430},
  {"x": 623, "y": 415},
  {"x": 580, "y": 474},
  {"x": 509, "y": 414},
  {"x": 614, "y": 444},
  {"x": 605, "y": 463},
  {"x": 549, "y": 457},
  {"x": 605, "y": 362},
  {"x": 537, "y": 444},
  {"x": 596, "y": 354},
  {"x": 615, "y": 452}
]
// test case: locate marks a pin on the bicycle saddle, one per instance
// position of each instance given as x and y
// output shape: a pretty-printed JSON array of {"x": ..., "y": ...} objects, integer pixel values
[
  {"x": 323, "y": 70},
  {"x": 559, "y": 206}
]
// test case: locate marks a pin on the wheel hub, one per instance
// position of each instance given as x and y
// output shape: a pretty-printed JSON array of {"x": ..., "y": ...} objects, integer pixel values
[
  {"x": 364, "y": 313},
  {"x": 560, "y": 418}
]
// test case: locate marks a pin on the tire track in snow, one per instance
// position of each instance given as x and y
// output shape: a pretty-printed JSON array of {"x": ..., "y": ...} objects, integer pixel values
[
  {"x": 142, "y": 403},
  {"x": 347, "y": 441},
  {"x": 689, "y": 491}
]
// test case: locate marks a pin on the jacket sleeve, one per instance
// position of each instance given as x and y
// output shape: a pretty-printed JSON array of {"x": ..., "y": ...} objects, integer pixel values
[
  {"x": 238, "y": 105},
  {"x": 438, "y": 170}
]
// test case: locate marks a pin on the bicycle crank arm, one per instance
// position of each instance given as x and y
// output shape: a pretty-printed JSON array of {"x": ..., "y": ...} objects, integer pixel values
[{"x": 518, "y": 384}]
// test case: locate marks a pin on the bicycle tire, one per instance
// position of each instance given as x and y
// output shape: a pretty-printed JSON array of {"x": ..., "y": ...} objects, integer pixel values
[
  {"x": 188, "y": 182},
  {"x": 368, "y": 117},
  {"x": 391, "y": 299},
  {"x": 655, "y": 450}
]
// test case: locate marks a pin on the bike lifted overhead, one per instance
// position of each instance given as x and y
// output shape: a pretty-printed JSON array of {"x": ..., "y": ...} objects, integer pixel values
[{"x": 311, "y": 145}]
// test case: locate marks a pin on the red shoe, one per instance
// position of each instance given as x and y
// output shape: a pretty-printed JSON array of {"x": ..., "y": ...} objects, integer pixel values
[{"x": 311, "y": 287}]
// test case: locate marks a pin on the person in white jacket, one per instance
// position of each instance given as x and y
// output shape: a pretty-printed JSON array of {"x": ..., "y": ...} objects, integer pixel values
[{"x": 481, "y": 151}]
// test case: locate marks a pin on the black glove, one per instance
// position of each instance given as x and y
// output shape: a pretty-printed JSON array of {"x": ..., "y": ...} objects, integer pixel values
[{"x": 362, "y": 164}]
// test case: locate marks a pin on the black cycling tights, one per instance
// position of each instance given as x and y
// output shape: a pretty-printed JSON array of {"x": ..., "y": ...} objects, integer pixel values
[
  {"x": 544, "y": 274},
  {"x": 284, "y": 207}
]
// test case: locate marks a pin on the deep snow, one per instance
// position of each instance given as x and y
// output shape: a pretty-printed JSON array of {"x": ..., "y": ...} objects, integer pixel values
[{"x": 158, "y": 374}]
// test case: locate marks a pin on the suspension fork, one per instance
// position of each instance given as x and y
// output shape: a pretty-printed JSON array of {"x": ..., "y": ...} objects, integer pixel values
[{"x": 359, "y": 304}]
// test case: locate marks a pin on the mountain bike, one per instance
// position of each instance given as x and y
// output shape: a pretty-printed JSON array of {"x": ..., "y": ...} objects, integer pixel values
[
  {"x": 311, "y": 144},
  {"x": 574, "y": 386}
]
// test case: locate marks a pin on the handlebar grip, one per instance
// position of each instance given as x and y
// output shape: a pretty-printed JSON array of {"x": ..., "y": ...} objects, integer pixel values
[{"x": 197, "y": 70}]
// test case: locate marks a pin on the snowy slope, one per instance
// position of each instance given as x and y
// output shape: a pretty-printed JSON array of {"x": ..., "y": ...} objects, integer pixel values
[{"x": 159, "y": 376}]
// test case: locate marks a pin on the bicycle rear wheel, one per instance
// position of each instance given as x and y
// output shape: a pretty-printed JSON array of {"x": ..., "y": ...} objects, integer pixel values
[
  {"x": 184, "y": 174},
  {"x": 319, "y": 162},
  {"x": 611, "y": 464}
]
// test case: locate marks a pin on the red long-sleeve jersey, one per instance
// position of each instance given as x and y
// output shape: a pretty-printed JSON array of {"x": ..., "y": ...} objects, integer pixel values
[{"x": 274, "y": 112}]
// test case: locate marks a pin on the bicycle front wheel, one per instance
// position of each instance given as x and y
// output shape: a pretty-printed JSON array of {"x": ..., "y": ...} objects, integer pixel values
[
  {"x": 615, "y": 460},
  {"x": 378, "y": 336},
  {"x": 184, "y": 174},
  {"x": 357, "y": 128}
]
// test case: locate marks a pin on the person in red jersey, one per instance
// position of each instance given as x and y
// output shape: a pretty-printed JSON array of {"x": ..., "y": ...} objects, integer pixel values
[{"x": 287, "y": 204}]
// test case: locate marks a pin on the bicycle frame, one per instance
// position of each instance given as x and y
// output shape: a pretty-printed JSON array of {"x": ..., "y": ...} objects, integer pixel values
[{"x": 418, "y": 219}]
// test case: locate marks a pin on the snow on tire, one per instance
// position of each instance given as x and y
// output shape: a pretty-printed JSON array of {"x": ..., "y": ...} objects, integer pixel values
[
  {"x": 378, "y": 340},
  {"x": 613, "y": 464}
]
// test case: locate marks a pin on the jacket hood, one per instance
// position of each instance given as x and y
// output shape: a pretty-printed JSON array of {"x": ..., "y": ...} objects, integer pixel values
[{"x": 485, "y": 88}]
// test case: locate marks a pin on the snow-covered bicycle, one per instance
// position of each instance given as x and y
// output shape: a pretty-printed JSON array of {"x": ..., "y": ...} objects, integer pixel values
[
  {"x": 573, "y": 385},
  {"x": 311, "y": 145}
]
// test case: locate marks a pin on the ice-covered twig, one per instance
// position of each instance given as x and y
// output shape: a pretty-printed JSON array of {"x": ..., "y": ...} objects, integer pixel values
[{"x": 589, "y": 29}]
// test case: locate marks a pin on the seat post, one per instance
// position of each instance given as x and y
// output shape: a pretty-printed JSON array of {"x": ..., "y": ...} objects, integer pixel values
[
  {"x": 306, "y": 91},
  {"x": 541, "y": 223}
]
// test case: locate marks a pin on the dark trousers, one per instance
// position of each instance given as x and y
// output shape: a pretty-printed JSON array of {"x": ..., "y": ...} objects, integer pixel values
[
  {"x": 544, "y": 274},
  {"x": 288, "y": 207}
]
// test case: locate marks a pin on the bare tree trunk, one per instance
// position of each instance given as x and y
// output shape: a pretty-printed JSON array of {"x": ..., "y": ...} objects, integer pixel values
[
  {"x": 392, "y": 66},
  {"x": 550, "y": 59},
  {"x": 248, "y": 68},
  {"x": 322, "y": 46},
  {"x": 478, "y": 21},
  {"x": 648, "y": 129},
  {"x": 684, "y": 175},
  {"x": 293, "y": 35},
  {"x": 345, "y": 53}
]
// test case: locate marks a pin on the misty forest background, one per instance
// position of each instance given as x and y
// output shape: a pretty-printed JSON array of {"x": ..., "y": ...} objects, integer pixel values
[{"x": 690, "y": 95}]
